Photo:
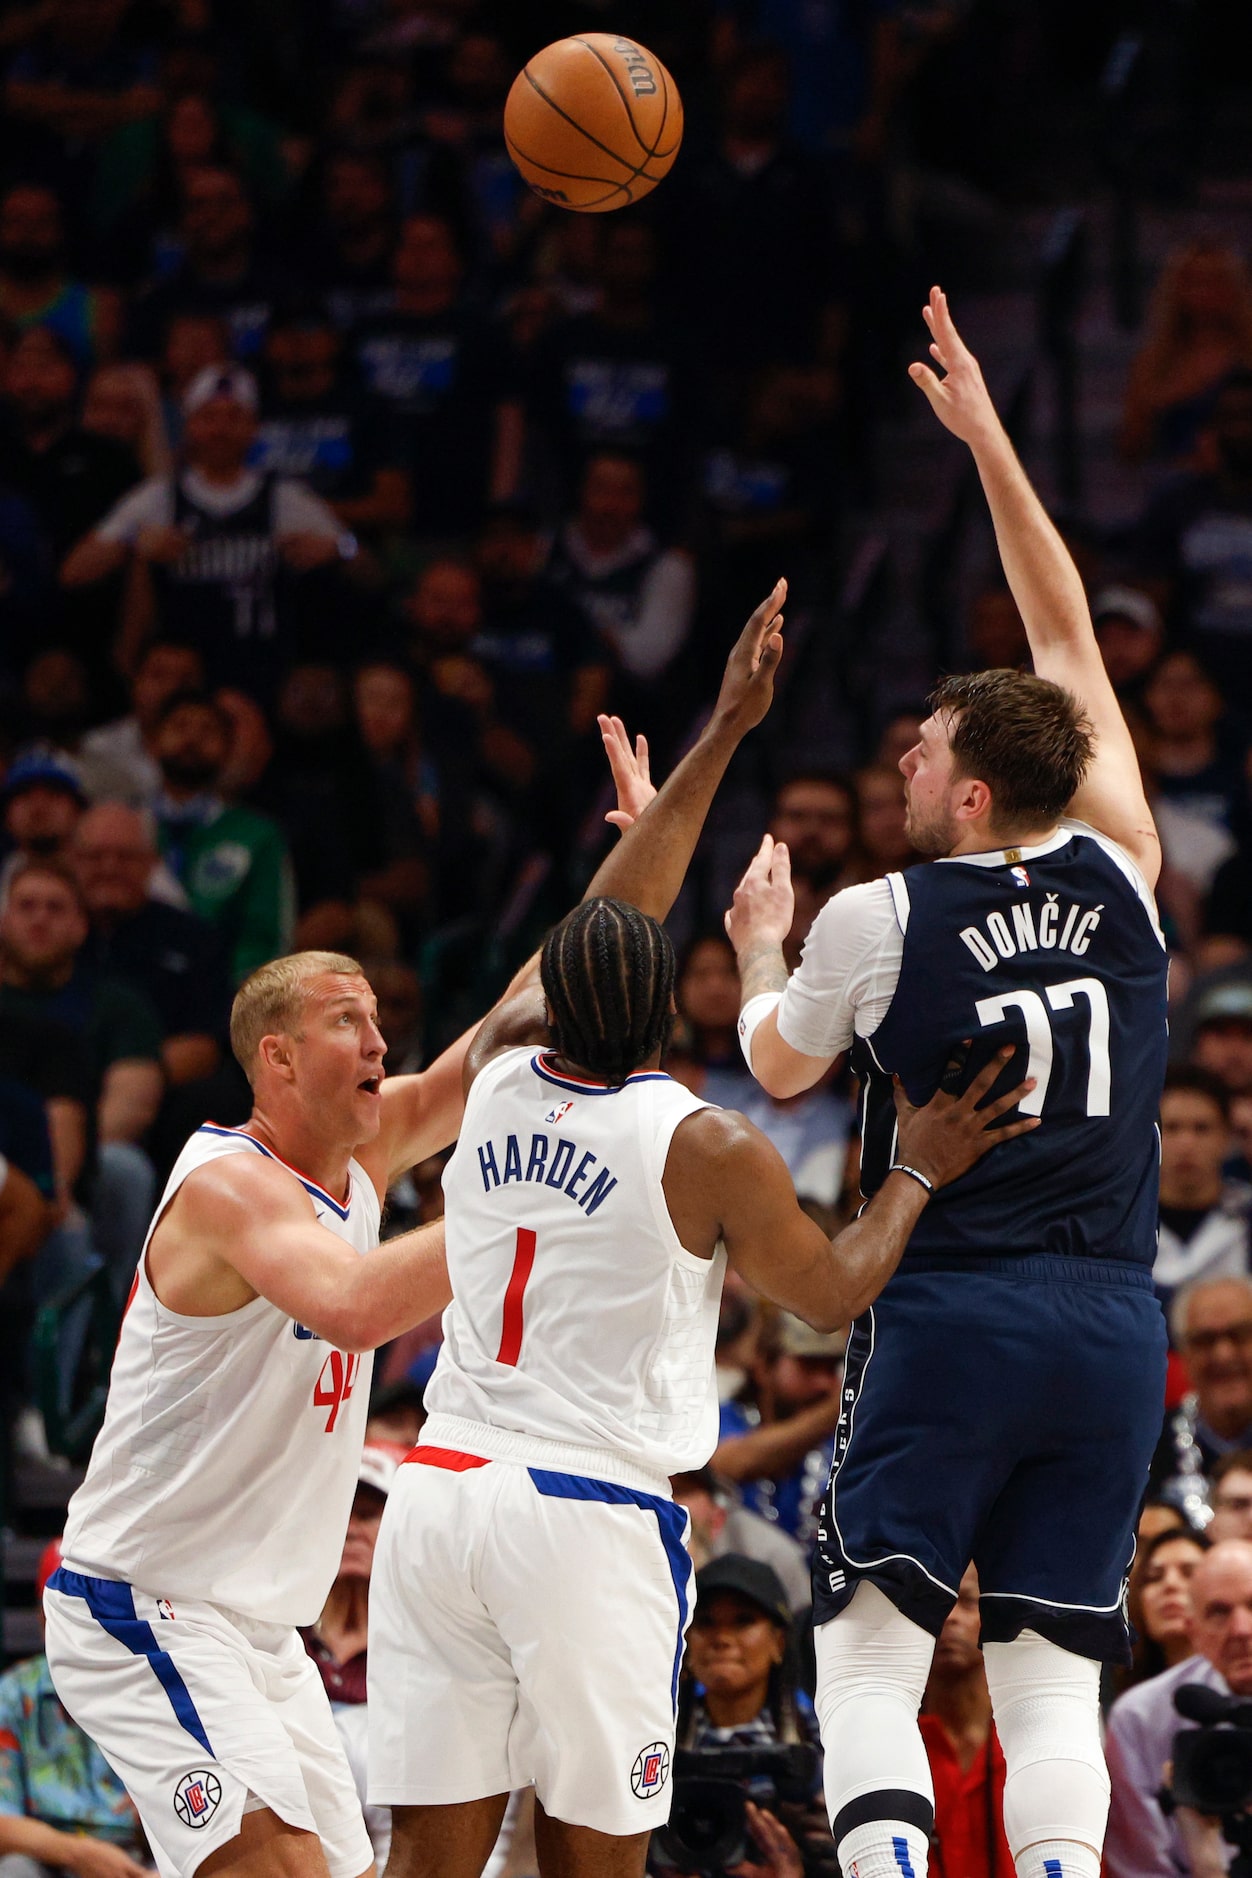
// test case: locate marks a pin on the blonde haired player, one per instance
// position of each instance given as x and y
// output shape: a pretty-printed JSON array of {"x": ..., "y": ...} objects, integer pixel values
[{"x": 211, "y": 1520}]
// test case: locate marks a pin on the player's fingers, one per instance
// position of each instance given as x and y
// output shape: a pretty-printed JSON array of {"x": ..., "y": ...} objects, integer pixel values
[
  {"x": 926, "y": 380},
  {"x": 900, "y": 1095},
  {"x": 987, "y": 1076},
  {"x": 761, "y": 624},
  {"x": 771, "y": 651},
  {"x": 641, "y": 756},
  {"x": 1004, "y": 1103},
  {"x": 1024, "y": 1127},
  {"x": 780, "y": 870},
  {"x": 620, "y": 819}
]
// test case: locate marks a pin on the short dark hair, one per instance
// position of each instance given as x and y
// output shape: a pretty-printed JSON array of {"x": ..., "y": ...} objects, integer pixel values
[
  {"x": 54, "y": 868},
  {"x": 1239, "y": 1461},
  {"x": 1196, "y": 1081},
  {"x": 818, "y": 779},
  {"x": 196, "y": 701},
  {"x": 608, "y": 975},
  {"x": 1170, "y": 1536},
  {"x": 1029, "y": 740}
]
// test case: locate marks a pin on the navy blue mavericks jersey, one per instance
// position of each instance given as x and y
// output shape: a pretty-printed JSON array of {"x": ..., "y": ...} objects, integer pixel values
[{"x": 1060, "y": 955}]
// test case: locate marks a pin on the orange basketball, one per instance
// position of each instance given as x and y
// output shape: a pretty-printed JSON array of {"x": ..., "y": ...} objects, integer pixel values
[{"x": 593, "y": 122}]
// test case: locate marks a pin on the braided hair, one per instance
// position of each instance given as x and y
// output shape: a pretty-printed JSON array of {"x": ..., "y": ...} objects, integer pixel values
[{"x": 608, "y": 975}]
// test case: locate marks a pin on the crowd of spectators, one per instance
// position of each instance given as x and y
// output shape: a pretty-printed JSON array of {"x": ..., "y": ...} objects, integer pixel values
[{"x": 343, "y": 484}]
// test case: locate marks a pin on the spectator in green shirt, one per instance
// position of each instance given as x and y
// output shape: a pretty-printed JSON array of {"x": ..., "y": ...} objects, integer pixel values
[{"x": 231, "y": 861}]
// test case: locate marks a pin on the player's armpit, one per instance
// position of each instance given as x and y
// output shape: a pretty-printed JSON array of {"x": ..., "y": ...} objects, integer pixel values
[{"x": 1112, "y": 798}]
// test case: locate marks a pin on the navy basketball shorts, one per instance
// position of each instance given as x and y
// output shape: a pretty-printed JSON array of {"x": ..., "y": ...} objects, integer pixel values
[{"x": 1003, "y": 1413}]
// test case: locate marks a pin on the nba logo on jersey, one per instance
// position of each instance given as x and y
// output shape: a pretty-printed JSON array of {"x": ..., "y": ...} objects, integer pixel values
[
  {"x": 1021, "y": 877},
  {"x": 196, "y": 1797},
  {"x": 558, "y": 1114},
  {"x": 650, "y": 1771}
]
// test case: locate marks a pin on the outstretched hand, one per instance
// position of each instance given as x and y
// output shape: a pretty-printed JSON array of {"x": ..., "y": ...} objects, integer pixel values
[
  {"x": 748, "y": 682},
  {"x": 764, "y": 905},
  {"x": 635, "y": 788},
  {"x": 950, "y": 1133},
  {"x": 960, "y": 400}
]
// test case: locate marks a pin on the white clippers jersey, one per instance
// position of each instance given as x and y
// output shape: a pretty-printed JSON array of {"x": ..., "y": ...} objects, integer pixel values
[
  {"x": 577, "y": 1316},
  {"x": 227, "y": 1462}
]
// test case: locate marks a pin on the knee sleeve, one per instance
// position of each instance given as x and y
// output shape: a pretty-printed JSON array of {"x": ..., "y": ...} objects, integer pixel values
[
  {"x": 872, "y": 1665},
  {"x": 1047, "y": 1712}
]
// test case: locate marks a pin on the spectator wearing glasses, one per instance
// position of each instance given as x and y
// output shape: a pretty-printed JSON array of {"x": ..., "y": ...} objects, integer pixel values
[{"x": 1211, "y": 1324}]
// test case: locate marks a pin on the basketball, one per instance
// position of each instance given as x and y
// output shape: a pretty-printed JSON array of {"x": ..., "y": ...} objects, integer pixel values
[{"x": 593, "y": 122}]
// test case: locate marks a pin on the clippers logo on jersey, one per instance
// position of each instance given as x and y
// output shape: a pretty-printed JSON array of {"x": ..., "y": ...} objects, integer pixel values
[
  {"x": 165, "y": 1609},
  {"x": 303, "y": 1334},
  {"x": 1021, "y": 877},
  {"x": 558, "y": 1114},
  {"x": 197, "y": 1797},
  {"x": 334, "y": 1385},
  {"x": 650, "y": 1771}
]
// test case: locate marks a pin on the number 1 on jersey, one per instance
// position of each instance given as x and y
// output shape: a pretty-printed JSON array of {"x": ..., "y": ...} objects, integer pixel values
[
  {"x": 1039, "y": 1044},
  {"x": 511, "y": 1326}
]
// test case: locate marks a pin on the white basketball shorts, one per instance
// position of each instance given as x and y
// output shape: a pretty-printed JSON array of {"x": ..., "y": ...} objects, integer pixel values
[
  {"x": 526, "y": 1627},
  {"x": 204, "y": 1715}
]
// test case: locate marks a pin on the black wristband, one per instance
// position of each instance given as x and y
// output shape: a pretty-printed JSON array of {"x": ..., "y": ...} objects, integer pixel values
[{"x": 898, "y": 1167}]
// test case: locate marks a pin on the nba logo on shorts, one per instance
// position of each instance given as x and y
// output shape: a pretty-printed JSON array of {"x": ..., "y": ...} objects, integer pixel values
[
  {"x": 650, "y": 1771},
  {"x": 196, "y": 1797}
]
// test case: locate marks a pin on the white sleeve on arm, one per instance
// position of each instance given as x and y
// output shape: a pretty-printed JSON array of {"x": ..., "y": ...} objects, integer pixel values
[
  {"x": 149, "y": 506},
  {"x": 847, "y": 973}
]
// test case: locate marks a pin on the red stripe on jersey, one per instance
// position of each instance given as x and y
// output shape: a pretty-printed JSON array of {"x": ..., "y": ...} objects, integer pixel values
[
  {"x": 451, "y": 1458},
  {"x": 9, "y": 1741},
  {"x": 511, "y": 1325}
]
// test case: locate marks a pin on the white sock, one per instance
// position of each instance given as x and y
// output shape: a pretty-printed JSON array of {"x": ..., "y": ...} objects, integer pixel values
[
  {"x": 885, "y": 1848},
  {"x": 1058, "y": 1858}
]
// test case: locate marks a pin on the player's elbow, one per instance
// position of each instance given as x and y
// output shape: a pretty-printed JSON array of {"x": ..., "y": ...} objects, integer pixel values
[{"x": 781, "y": 1070}]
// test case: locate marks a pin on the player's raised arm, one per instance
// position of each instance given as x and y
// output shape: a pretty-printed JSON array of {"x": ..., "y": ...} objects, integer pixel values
[
  {"x": 242, "y": 1228},
  {"x": 1047, "y": 588},
  {"x": 661, "y": 827},
  {"x": 649, "y": 864},
  {"x": 720, "y": 1162}
]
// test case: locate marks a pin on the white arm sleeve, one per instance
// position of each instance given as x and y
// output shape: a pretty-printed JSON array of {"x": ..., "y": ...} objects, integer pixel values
[
  {"x": 149, "y": 506},
  {"x": 847, "y": 973}
]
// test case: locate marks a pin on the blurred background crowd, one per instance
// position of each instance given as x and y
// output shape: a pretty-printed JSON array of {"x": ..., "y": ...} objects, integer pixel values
[{"x": 343, "y": 483}]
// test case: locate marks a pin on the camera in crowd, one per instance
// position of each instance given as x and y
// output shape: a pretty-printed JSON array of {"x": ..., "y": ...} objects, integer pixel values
[
  {"x": 708, "y": 1830},
  {"x": 1212, "y": 1764}
]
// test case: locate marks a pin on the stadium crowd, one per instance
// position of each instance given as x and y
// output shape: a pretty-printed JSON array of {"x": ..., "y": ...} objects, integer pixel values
[{"x": 342, "y": 485}]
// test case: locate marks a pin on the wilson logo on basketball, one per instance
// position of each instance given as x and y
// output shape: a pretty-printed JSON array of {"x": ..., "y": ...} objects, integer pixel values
[
  {"x": 639, "y": 72},
  {"x": 334, "y": 1386}
]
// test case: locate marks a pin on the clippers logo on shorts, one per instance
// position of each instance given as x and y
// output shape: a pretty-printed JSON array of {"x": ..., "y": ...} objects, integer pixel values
[
  {"x": 650, "y": 1771},
  {"x": 197, "y": 1797},
  {"x": 334, "y": 1385},
  {"x": 558, "y": 1114}
]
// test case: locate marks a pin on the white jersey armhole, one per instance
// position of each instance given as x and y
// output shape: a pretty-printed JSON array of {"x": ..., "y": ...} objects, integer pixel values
[{"x": 662, "y": 1142}]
